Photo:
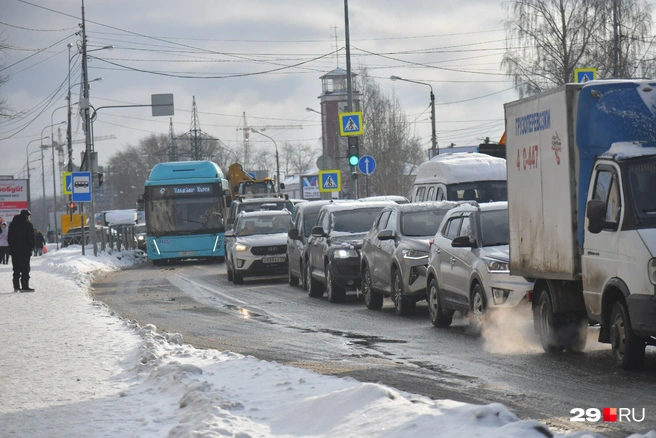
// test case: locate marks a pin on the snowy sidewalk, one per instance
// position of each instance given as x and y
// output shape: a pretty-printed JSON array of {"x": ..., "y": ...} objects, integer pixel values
[{"x": 68, "y": 368}]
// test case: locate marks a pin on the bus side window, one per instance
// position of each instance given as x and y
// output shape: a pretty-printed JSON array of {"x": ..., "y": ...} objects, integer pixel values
[
  {"x": 431, "y": 192},
  {"x": 440, "y": 194}
]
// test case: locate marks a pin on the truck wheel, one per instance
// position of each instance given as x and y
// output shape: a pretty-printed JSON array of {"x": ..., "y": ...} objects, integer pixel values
[
  {"x": 548, "y": 330},
  {"x": 437, "y": 316},
  {"x": 312, "y": 286},
  {"x": 291, "y": 278},
  {"x": 402, "y": 305},
  {"x": 578, "y": 336},
  {"x": 628, "y": 349},
  {"x": 334, "y": 292},
  {"x": 372, "y": 299}
]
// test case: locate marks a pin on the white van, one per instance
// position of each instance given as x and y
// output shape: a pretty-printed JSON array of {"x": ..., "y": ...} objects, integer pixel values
[{"x": 461, "y": 177}]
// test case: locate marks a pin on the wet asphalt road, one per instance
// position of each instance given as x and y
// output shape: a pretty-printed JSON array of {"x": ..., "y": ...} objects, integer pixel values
[{"x": 271, "y": 320}]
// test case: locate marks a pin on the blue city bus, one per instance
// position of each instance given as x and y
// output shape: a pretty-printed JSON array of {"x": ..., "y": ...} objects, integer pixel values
[{"x": 184, "y": 204}]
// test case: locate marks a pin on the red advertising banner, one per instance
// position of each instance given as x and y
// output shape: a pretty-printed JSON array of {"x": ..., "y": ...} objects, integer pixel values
[{"x": 13, "y": 198}]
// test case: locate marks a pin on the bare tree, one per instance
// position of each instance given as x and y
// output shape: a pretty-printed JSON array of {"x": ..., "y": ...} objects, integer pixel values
[
  {"x": 547, "y": 39},
  {"x": 297, "y": 158},
  {"x": 387, "y": 138}
]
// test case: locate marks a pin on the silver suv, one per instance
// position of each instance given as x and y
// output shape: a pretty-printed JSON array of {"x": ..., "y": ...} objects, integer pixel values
[
  {"x": 395, "y": 254},
  {"x": 468, "y": 265},
  {"x": 257, "y": 245}
]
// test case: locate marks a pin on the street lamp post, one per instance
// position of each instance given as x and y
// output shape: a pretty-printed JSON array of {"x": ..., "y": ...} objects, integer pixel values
[
  {"x": 43, "y": 176},
  {"x": 27, "y": 165},
  {"x": 277, "y": 158},
  {"x": 435, "y": 147},
  {"x": 54, "y": 176}
]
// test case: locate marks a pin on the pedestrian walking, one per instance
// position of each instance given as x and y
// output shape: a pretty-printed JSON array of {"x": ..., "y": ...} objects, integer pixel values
[
  {"x": 40, "y": 242},
  {"x": 21, "y": 245},
  {"x": 4, "y": 244}
]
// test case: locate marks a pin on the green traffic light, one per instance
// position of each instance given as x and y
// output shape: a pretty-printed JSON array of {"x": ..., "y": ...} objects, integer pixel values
[{"x": 353, "y": 160}]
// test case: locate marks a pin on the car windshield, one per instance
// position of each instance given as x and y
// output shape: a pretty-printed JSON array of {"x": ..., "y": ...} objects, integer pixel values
[
  {"x": 140, "y": 229},
  {"x": 421, "y": 223},
  {"x": 479, "y": 191},
  {"x": 354, "y": 221},
  {"x": 494, "y": 227},
  {"x": 269, "y": 224},
  {"x": 309, "y": 220}
]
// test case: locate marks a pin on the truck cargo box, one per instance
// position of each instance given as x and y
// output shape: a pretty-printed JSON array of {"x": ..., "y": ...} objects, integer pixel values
[{"x": 542, "y": 184}]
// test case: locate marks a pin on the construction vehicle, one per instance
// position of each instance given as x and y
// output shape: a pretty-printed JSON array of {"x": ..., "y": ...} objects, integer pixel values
[{"x": 243, "y": 185}]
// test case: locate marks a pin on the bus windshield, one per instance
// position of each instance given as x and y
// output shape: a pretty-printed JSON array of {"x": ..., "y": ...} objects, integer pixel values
[{"x": 185, "y": 209}]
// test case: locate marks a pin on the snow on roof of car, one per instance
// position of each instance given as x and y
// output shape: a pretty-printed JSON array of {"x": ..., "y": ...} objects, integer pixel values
[
  {"x": 461, "y": 167},
  {"x": 261, "y": 200},
  {"x": 625, "y": 150},
  {"x": 427, "y": 205},
  {"x": 341, "y": 206},
  {"x": 264, "y": 213}
]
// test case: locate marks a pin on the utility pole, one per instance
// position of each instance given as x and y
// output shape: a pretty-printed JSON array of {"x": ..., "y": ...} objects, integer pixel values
[
  {"x": 616, "y": 42},
  {"x": 88, "y": 144},
  {"x": 349, "y": 91}
]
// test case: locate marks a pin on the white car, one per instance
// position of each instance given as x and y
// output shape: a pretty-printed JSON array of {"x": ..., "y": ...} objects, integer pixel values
[
  {"x": 468, "y": 264},
  {"x": 257, "y": 245}
]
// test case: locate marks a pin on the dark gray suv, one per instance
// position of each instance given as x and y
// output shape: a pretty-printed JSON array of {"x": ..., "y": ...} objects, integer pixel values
[{"x": 395, "y": 254}]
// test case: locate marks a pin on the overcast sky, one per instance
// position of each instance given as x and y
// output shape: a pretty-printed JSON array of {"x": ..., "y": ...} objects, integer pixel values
[{"x": 262, "y": 57}]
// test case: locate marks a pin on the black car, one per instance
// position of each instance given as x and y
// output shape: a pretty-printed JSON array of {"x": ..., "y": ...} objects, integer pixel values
[
  {"x": 305, "y": 217},
  {"x": 332, "y": 258}
]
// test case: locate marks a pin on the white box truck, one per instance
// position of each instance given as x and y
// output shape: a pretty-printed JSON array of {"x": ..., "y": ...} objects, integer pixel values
[{"x": 582, "y": 213}]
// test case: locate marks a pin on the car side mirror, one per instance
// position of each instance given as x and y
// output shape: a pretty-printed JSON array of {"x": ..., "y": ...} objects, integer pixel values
[
  {"x": 229, "y": 233},
  {"x": 595, "y": 212},
  {"x": 282, "y": 186},
  {"x": 230, "y": 221},
  {"x": 318, "y": 232},
  {"x": 386, "y": 235},
  {"x": 293, "y": 234},
  {"x": 463, "y": 242}
]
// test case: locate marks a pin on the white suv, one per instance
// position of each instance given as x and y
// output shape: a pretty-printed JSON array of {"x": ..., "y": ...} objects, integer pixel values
[{"x": 468, "y": 265}]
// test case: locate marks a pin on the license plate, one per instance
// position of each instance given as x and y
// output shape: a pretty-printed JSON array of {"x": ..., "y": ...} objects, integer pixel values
[
  {"x": 186, "y": 253},
  {"x": 273, "y": 260}
]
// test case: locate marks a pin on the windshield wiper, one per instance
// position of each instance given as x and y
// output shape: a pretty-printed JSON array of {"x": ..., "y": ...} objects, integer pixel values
[{"x": 649, "y": 210}]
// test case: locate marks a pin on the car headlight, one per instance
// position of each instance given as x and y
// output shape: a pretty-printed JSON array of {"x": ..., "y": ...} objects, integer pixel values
[
  {"x": 652, "y": 271},
  {"x": 140, "y": 238},
  {"x": 345, "y": 253},
  {"x": 496, "y": 265},
  {"x": 240, "y": 247},
  {"x": 415, "y": 255}
]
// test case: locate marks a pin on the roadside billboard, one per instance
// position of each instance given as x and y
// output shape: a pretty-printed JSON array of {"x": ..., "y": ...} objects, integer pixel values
[
  {"x": 13, "y": 198},
  {"x": 310, "y": 187}
]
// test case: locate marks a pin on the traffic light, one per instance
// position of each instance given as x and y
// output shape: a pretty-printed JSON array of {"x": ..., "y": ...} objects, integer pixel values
[
  {"x": 72, "y": 207},
  {"x": 353, "y": 153}
]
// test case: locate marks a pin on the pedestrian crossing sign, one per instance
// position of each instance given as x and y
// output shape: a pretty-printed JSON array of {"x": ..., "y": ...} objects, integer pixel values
[
  {"x": 350, "y": 124},
  {"x": 67, "y": 183},
  {"x": 582, "y": 75},
  {"x": 330, "y": 180}
]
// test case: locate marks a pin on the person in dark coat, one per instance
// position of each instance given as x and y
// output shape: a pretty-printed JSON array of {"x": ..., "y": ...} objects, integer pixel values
[
  {"x": 40, "y": 242},
  {"x": 21, "y": 245}
]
